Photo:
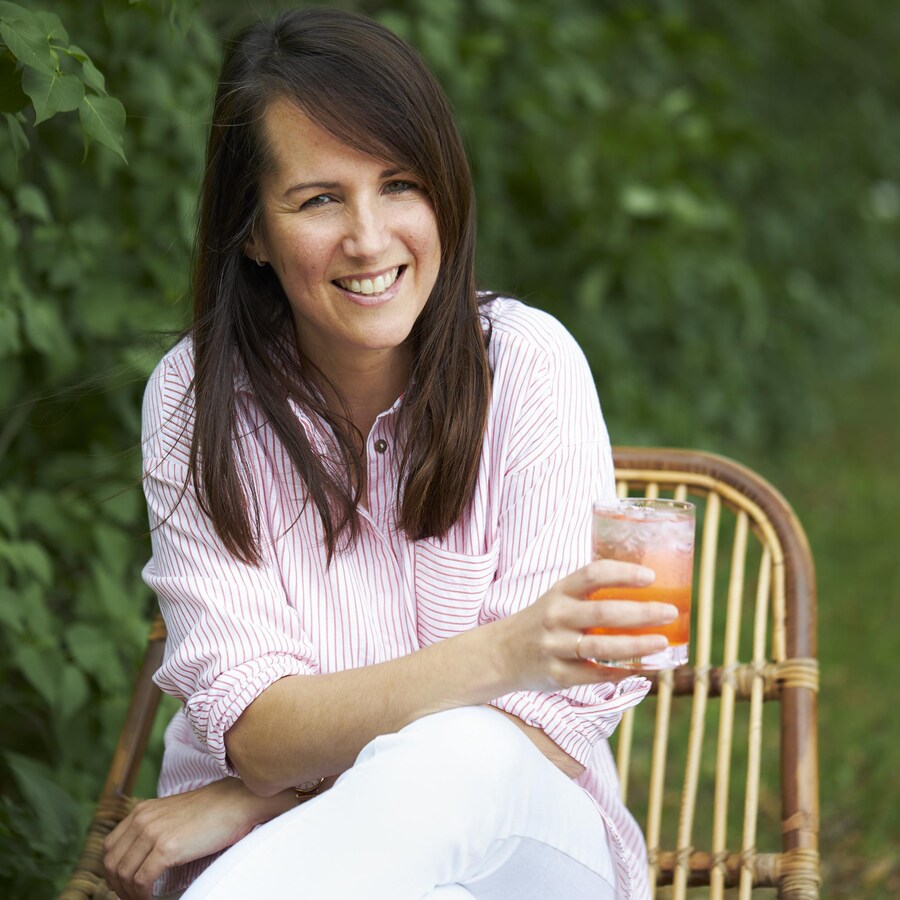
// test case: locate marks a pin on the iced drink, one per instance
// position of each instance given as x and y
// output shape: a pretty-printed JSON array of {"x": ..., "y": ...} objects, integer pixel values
[{"x": 658, "y": 534}]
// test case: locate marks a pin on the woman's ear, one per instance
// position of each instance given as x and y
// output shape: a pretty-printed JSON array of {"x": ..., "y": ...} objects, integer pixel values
[{"x": 255, "y": 250}]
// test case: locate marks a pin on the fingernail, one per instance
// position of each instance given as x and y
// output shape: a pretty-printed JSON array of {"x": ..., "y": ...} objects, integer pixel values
[
  {"x": 661, "y": 642},
  {"x": 645, "y": 575},
  {"x": 670, "y": 613}
]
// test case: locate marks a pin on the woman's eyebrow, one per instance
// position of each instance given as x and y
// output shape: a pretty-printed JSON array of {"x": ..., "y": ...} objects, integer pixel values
[
  {"x": 331, "y": 185},
  {"x": 308, "y": 185}
]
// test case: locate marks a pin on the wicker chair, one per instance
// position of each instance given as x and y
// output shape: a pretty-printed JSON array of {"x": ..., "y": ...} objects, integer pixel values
[{"x": 712, "y": 816}]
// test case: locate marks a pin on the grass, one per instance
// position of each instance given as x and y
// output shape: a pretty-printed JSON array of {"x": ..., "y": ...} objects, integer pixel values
[{"x": 847, "y": 493}]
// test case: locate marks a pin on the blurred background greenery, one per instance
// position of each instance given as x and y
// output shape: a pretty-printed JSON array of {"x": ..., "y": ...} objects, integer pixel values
[{"x": 707, "y": 194}]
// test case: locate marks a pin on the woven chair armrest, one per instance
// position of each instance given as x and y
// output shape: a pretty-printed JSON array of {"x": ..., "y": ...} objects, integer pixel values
[{"x": 87, "y": 882}]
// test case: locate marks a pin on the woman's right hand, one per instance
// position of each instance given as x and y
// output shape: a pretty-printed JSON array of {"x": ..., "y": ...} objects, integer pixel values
[
  {"x": 159, "y": 834},
  {"x": 546, "y": 646}
]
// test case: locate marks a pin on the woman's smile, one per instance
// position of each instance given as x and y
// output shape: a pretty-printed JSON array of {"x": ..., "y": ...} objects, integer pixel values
[{"x": 372, "y": 289}]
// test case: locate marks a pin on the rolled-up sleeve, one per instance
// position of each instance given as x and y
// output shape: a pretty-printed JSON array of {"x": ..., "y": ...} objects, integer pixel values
[
  {"x": 558, "y": 460},
  {"x": 231, "y": 631}
]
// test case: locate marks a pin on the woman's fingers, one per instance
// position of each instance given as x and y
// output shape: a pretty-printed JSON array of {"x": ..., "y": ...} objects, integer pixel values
[
  {"x": 616, "y": 646},
  {"x": 605, "y": 573},
  {"x": 161, "y": 833},
  {"x": 133, "y": 859},
  {"x": 115, "y": 846},
  {"x": 583, "y": 615},
  {"x": 541, "y": 647}
]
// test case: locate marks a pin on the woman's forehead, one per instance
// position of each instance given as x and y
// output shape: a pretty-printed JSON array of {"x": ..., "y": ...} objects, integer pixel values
[{"x": 301, "y": 149}]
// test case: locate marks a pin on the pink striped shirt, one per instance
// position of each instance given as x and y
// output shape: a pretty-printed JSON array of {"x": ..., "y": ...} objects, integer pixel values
[{"x": 235, "y": 629}]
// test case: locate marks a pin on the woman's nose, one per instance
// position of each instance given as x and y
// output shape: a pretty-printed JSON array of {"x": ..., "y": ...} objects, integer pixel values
[{"x": 368, "y": 234}]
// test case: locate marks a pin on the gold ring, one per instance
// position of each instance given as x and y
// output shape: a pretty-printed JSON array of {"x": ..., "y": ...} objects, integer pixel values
[{"x": 578, "y": 647}]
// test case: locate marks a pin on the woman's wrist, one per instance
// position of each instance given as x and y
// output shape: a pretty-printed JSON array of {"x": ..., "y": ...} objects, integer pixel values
[
  {"x": 266, "y": 808},
  {"x": 253, "y": 809},
  {"x": 263, "y": 809},
  {"x": 496, "y": 651}
]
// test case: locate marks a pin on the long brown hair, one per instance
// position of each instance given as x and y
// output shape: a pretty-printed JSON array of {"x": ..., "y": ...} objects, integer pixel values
[{"x": 362, "y": 83}]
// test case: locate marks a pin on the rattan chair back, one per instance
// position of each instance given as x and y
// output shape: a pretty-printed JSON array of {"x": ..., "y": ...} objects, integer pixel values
[{"x": 720, "y": 765}]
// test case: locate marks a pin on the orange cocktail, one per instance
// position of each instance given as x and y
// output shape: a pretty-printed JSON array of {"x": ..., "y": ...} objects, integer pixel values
[{"x": 658, "y": 534}]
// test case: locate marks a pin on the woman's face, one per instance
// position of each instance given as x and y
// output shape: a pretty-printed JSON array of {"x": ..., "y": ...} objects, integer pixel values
[{"x": 353, "y": 240}]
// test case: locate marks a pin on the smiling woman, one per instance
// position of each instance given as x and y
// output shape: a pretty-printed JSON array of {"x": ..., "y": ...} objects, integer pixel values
[
  {"x": 370, "y": 491},
  {"x": 355, "y": 247}
]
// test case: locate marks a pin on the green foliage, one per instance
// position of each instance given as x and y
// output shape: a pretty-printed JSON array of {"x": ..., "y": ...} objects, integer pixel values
[
  {"x": 707, "y": 194},
  {"x": 683, "y": 186},
  {"x": 57, "y": 76},
  {"x": 48, "y": 822},
  {"x": 94, "y": 252}
]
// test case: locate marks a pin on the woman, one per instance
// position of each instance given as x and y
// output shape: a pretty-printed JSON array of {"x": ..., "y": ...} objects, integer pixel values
[{"x": 370, "y": 494}]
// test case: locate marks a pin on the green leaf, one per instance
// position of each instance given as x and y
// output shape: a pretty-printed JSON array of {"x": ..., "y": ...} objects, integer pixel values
[
  {"x": 73, "y": 691},
  {"x": 93, "y": 77},
  {"x": 125, "y": 505},
  {"x": 15, "y": 12},
  {"x": 641, "y": 202},
  {"x": 52, "y": 93},
  {"x": 57, "y": 813},
  {"x": 17, "y": 136},
  {"x": 95, "y": 653},
  {"x": 12, "y": 609},
  {"x": 44, "y": 327},
  {"x": 49, "y": 514},
  {"x": 9, "y": 520},
  {"x": 42, "y": 671},
  {"x": 53, "y": 26},
  {"x": 103, "y": 118},
  {"x": 29, "y": 44},
  {"x": 12, "y": 97},
  {"x": 110, "y": 594},
  {"x": 10, "y": 342},
  {"x": 76, "y": 52},
  {"x": 32, "y": 599},
  {"x": 28, "y": 558},
  {"x": 32, "y": 202},
  {"x": 9, "y": 240}
]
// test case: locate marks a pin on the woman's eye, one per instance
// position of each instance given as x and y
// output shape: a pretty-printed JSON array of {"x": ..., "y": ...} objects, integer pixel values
[
  {"x": 316, "y": 202},
  {"x": 399, "y": 187}
]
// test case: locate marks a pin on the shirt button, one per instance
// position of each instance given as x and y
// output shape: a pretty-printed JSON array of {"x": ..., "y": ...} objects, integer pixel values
[{"x": 380, "y": 446}]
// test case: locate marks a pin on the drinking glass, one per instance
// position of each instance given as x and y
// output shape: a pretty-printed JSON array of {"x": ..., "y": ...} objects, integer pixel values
[{"x": 658, "y": 534}]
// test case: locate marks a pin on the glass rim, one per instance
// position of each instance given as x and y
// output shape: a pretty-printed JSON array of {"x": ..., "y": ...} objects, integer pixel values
[{"x": 623, "y": 503}]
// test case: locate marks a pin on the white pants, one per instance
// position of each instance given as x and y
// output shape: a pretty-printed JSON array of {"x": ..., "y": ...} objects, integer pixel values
[{"x": 459, "y": 804}]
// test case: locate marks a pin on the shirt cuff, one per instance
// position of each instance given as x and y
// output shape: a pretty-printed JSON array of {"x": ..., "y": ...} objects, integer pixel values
[
  {"x": 578, "y": 718},
  {"x": 212, "y": 712}
]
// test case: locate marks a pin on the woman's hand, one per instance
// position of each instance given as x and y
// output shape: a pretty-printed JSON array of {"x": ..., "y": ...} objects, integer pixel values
[
  {"x": 545, "y": 647},
  {"x": 159, "y": 834}
]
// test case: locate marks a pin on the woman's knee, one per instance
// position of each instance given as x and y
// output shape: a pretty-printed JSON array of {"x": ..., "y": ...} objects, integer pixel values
[{"x": 459, "y": 745}]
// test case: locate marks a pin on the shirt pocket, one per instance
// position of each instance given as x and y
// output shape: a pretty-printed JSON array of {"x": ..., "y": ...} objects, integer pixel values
[{"x": 450, "y": 590}]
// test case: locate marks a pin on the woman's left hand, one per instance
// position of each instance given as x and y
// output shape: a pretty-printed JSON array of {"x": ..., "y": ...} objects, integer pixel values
[{"x": 159, "y": 834}]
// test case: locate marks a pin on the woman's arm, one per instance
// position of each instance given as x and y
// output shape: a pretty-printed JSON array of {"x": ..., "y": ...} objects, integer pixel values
[
  {"x": 303, "y": 727},
  {"x": 159, "y": 834},
  {"x": 565, "y": 763}
]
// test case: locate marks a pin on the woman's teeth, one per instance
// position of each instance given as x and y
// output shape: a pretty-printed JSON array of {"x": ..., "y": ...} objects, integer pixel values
[{"x": 370, "y": 285}]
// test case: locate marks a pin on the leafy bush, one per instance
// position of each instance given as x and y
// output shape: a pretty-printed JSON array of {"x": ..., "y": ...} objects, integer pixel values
[
  {"x": 94, "y": 255},
  {"x": 682, "y": 185},
  {"x": 706, "y": 194}
]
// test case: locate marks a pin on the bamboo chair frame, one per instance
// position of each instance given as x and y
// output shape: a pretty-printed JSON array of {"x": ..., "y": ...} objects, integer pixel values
[{"x": 782, "y": 669}]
